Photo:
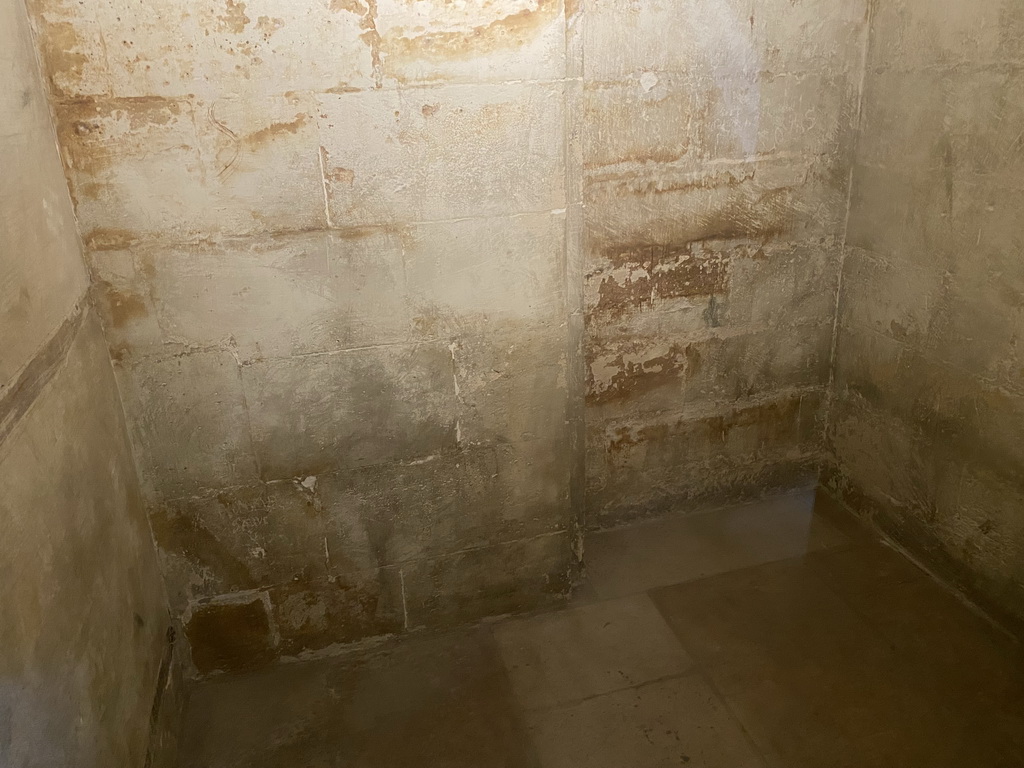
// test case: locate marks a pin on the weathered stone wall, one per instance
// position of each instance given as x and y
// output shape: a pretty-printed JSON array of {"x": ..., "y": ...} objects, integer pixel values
[
  {"x": 929, "y": 409},
  {"x": 367, "y": 266},
  {"x": 716, "y": 164},
  {"x": 84, "y": 616},
  {"x": 329, "y": 243}
]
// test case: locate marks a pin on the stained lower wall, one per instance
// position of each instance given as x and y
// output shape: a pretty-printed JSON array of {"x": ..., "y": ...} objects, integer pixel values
[
  {"x": 717, "y": 151},
  {"x": 83, "y": 640},
  {"x": 929, "y": 405}
]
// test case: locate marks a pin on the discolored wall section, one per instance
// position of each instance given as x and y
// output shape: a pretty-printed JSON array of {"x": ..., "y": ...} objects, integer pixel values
[
  {"x": 84, "y": 657},
  {"x": 716, "y": 161},
  {"x": 929, "y": 404},
  {"x": 328, "y": 241}
]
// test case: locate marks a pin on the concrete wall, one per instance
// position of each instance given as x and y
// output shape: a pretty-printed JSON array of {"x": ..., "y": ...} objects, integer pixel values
[
  {"x": 717, "y": 151},
  {"x": 366, "y": 267},
  {"x": 328, "y": 240},
  {"x": 929, "y": 409},
  {"x": 84, "y": 625}
]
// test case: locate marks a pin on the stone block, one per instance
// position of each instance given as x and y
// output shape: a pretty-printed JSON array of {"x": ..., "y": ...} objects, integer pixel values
[
  {"x": 393, "y": 513},
  {"x": 240, "y": 539},
  {"x": 226, "y": 167},
  {"x": 511, "y": 384},
  {"x": 209, "y": 47},
  {"x": 728, "y": 369},
  {"x": 266, "y": 297},
  {"x": 189, "y": 423},
  {"x": 490, "y": 581},
  {"x": 426, "y": 154},
  {"x": 650, "y": 464},
  {"x": 480, "y": 275},
  {"x": 317, "y": 413},
  {"x": 774, "y": 199}
]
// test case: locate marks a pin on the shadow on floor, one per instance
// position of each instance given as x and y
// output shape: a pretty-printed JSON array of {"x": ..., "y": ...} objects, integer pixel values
[{"x": 770, "y": 634}]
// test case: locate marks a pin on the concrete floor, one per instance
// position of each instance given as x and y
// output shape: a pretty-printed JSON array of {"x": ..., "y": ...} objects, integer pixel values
[{"x": 772, "y": 634}]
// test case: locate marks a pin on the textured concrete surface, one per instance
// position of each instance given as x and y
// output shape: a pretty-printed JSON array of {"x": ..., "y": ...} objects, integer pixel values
[
  {"x": 929, "y": 403},
  {"x": 825, "y": 648},
  {"x": 83, "y": 640},
  {"x": 717, "y": 144}
]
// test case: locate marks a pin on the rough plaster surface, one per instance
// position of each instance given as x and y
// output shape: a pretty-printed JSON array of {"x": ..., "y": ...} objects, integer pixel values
[
  {"x": 361, "y": 305},
  {"x": 929, "y": 405},
  {"x": 85, "y": 618}
]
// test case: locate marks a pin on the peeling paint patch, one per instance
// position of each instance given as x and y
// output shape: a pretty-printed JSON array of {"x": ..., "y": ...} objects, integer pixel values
[
  {"x": 633, "y": 368},
  {"x": 640, "y": 276}
]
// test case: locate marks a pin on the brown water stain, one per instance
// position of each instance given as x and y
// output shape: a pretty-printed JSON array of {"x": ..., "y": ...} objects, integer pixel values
[
  {"x": 352, "y": 6},
  {"x": 275, "y": 131},
  {"x": 340, "y": 176},
  {"x": 92, "y": 133},
  {"x": 649, "y": 157},
  {"x": 109, "y": 239},
  {"x": 268, "y": 25},
  {"x": 121, "y": 308},
  {"x": 65, "y": 57},
  {"x": 233, "y": 19},
  {"x": 506, "y": 33}
]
